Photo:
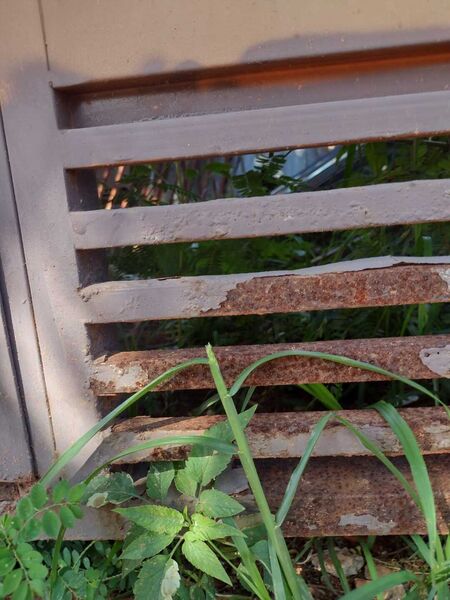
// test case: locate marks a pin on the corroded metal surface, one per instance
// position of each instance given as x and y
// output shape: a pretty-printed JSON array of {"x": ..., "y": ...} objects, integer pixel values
[
  {"x": 384, "y": 281},
  {"x": 354, "y": 496},
  {"x": 129, "y": 371},
  {"x": 285, "y": 435},
  {"x": 337, "y": 496}
]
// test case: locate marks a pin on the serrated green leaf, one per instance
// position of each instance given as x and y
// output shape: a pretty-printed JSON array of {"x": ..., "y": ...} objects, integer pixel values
[
  {"x": 12, "y": 581},
  {"x": 159, "y": 478},
  {"x": 205, "y": 528},
  {"x": 115, "y": 488},
  {"x": 67, "y": 518},
  {"x": 204, "y": 465},
  {"x": 37, "y": 571},
  {"x": 217, "y": 504},
  {"x": 204, "y": 559},
  {"x": 151, "y": 576},
  {"x": 51, "y": 523},
  {"x": 74, "y": 579},
  {"x": 147, "y": 545},
  {"x": 38, "y": 496},
  {"x": 60, "y": 491},
  {"x": 76, "y": 492},
  {"x": 159, "y": 519},
  {"x": 25, "y": 508},
  {"x": 120, "y": 488},
  {"x": 7, "y": 565},
  {"x": 185, "y": 483}
]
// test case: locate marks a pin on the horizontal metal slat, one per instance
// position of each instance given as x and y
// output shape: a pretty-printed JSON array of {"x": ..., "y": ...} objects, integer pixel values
[
  {"x": 233, "y": 218},
  {"x": 345, "y": 121},
  {"x": 284, "y": 435},
  {"x": 424, "y": 357},
  {"x": 337, "y": 496},
  {"x": 385, "y": 281}
]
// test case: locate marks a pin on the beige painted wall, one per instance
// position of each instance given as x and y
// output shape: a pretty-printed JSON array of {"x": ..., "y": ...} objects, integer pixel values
[{"x": 101, "y": 39}]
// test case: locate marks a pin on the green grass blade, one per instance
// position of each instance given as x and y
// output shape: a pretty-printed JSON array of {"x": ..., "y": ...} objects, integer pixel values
[
  {"x": 249, "y": 562},
  {"x": 422, "y": 549},
  {"x": 248, "y": 397},
  {"x": 325, "y": 577},
  {"x": 367, "y": 443},
  {"x": 337, "y": 566},
  {"x": 76, "y": 447},
  {"x": 245, "y": 455},
  {"x": 342, "y": 360},
  {"x": 171, "y": 440},
  {"x": 370, "y": 564},
  {"x": 419, "y": 472},
  {"x": 277, "y": 577},
  {"x": 322, "y": 394},
  {"x": 380, "y": 585},
  {"x": 294, "y": 480}
]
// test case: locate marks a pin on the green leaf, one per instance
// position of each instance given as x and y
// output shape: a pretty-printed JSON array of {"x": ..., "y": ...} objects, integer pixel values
[
  {"x": 115, "y": 488},
  {"x": 22, "y": 592},
  {"x": 217, "y": 504},
  {"x": 171, "y": 582},
  {"x": 204, "y": 559},
  {"x": 76, "y": 511},
  {"x": 159, "y": 478},
  {"x": 184, "y": 482},
  {"x": 11, "y": 581},
  {"x": 31, "y": 530},
  {"x": 151, "y": 576},
  {"x": 67, "y": 518},
  {"x": 38, "y": 496},
  {"x": 25, "y": 508},
  {"x": 31, "y": 558},
  {"x": 37, "y": 571},
  {"x": 203, "y": 465},
  {"x": 51, "y": 524},
  {"x": 120, "y": 488},
  {"x": 159, "y": 519},
  {"x": 147, "y": 545},
  {"x": 7, "y": 564},
  {"x": 60, "y": 491},
  {"x": 76, "y": 492},
  {"x": 205, "y": 528},
  {"x": 38, "y": 587}
]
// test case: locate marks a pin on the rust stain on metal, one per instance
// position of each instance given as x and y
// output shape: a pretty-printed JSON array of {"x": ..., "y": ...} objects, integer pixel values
[
  {"x": 285, "y": 435},
  {"x": 354, "y": 496},
  {"x": 368, "y": 286},
  {"x": 129, "y": 371}
]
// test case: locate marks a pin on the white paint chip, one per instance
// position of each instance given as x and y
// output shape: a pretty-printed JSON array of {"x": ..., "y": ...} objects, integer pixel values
[{"x": 437, "y": 360}]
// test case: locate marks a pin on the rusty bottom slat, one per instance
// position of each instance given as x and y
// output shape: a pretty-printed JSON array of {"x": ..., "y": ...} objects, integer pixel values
[
  {"x": 354, "y": 496},
  {"x": 414, "y": 357},
  {"x": 337, "y": 496}
]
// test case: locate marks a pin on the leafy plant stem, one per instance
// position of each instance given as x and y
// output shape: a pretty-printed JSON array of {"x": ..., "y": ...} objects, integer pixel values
[
  {"x": 248, "y": 465},
  {"x": 56, "y": 556}
]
